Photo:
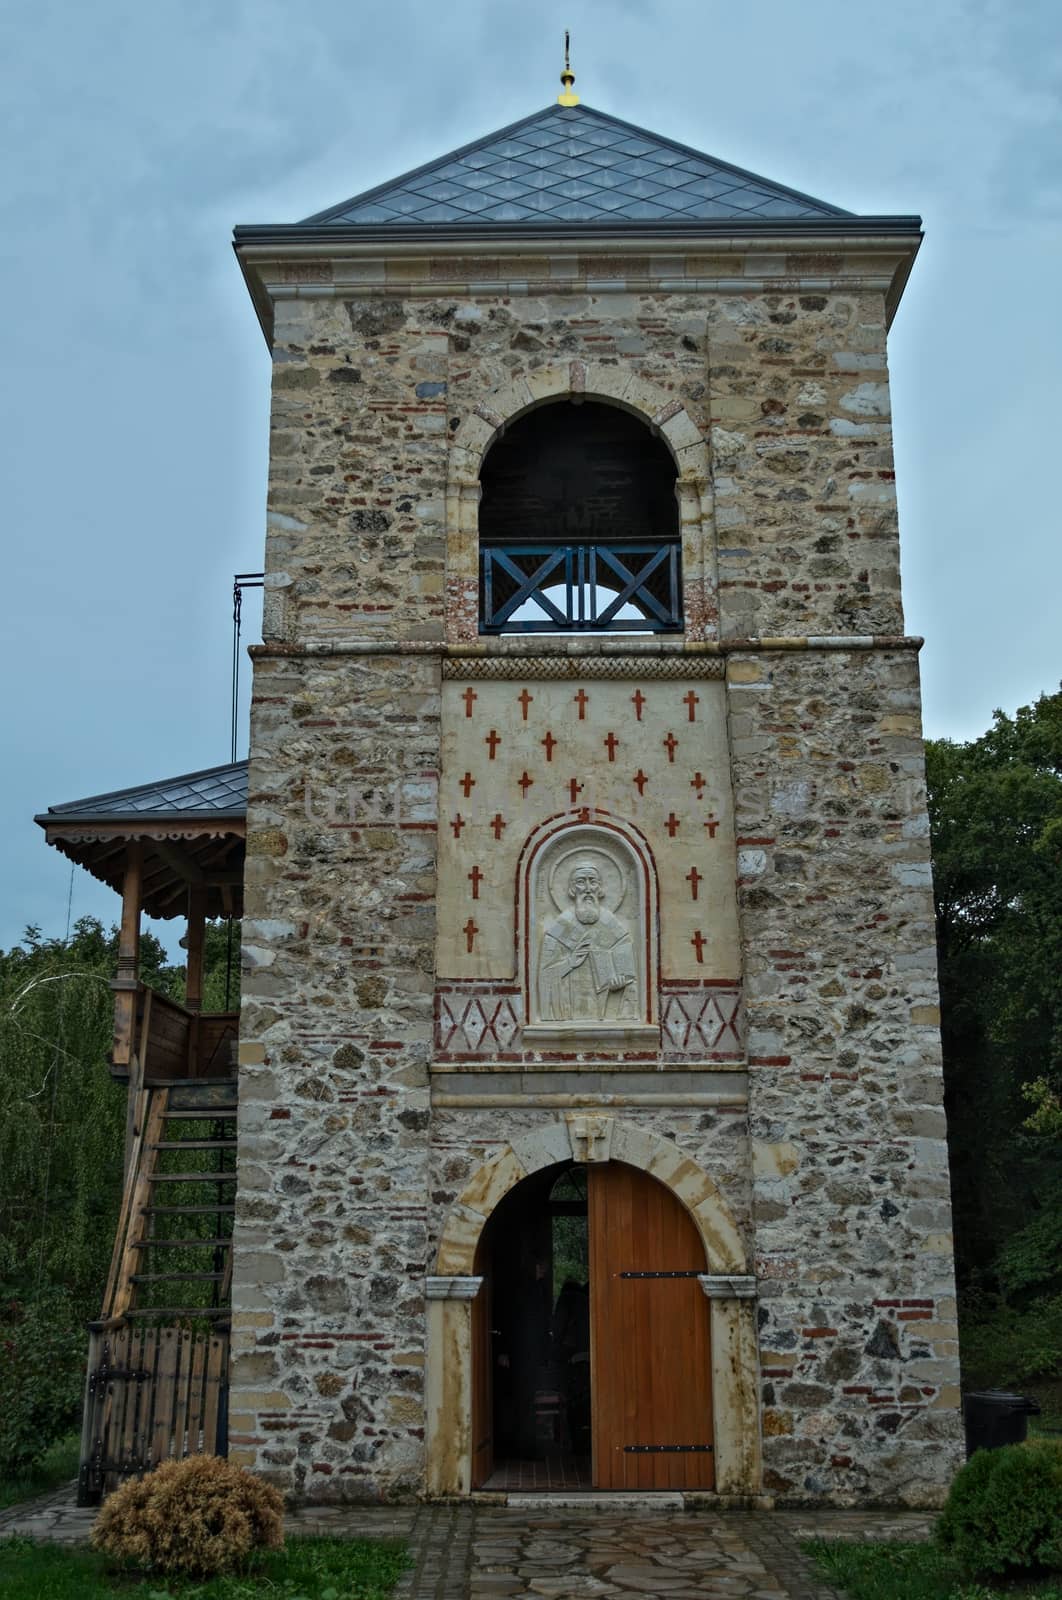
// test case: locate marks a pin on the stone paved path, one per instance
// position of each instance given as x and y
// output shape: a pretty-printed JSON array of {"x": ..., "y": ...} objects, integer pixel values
[{"x": 540, "y": 1552}]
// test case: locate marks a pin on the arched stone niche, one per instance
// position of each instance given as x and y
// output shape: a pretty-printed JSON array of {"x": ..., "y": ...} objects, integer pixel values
[
  {"x": 611, "y": 385},
  {"x": 728, "y": 1283},
  {"x": 587, "y": 922}
]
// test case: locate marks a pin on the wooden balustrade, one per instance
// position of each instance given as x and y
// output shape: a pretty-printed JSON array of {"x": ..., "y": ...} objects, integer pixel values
[{"x": 172, "y": 1044}]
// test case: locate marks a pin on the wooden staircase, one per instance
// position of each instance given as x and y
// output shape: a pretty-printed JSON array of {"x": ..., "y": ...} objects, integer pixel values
[{"x": 158, "y": 1356}]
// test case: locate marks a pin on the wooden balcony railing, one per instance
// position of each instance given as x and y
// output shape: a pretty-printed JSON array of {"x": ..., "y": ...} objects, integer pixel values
[
  {"x": 173, "y": 1044},
  {"x": 625, "y": 585}
]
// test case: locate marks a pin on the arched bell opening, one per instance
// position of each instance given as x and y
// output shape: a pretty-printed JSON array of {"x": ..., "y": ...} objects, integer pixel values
[
  {"x": 591, "y": 1343},
  {"x": 579, "y": 525}
]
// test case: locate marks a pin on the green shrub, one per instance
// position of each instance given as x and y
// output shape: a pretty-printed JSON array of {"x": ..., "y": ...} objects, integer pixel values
[
  {"x": 197, "y": 1517},
  {"x": 1004, "y": 1512},
  {"x": 42, "y": 1360}
]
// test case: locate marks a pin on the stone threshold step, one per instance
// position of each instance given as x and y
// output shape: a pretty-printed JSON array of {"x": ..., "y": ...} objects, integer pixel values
[{"x": 646, "y": 1502}]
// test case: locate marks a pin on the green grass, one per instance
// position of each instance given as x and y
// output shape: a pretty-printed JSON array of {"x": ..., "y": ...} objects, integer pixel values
[
  {"x": 895, "y": 1571},
  {"x": 57, "y": 1467},
  {"x": 307, "y": 1569}
]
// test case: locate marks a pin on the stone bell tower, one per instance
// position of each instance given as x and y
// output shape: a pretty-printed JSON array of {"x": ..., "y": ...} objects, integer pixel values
[{"x": 590, "y": 1096}]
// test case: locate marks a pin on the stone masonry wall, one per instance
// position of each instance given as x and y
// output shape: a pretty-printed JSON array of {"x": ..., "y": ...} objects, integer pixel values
[
  {"x": 851, "y": 1197},
  {"x": 339, "y": 941},
  {"x": 790, "y": 389},
  {"x": 345, "y": 1176},
  {"x": 804, "y": 484}
]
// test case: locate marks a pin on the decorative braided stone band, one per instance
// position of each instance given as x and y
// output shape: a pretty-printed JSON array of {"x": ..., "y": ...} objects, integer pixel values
[
  {"x": 452, "y": 1288},
  {"x": 727, "y": 1286},
  {"x": 580, "y": 666}
]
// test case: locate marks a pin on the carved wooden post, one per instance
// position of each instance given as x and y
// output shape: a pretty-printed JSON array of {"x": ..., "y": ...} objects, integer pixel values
[
  {"x": 126, "y": 982},
  {"x": 127, "y": 978},
  {"x": 193, "y": 983}
]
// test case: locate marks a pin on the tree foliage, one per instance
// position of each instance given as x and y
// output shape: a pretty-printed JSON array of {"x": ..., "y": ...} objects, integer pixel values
[
  {"x": 996, "y": 814},
  {"x": 62, "y": 1118},
  {"x": 62, "y": 1136}
]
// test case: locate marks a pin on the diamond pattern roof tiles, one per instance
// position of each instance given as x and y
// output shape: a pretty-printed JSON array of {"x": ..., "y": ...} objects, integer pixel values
[
  {"x": 216, "y": 790},
  {"x": 573, "y": 164}
]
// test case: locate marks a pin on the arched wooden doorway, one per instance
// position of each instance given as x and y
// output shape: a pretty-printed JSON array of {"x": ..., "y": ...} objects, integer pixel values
[{"x": 591, "y": 1346}]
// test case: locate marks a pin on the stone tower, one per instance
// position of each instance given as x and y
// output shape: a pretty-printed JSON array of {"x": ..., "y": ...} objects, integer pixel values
[{"x": 589, "y": 1031}]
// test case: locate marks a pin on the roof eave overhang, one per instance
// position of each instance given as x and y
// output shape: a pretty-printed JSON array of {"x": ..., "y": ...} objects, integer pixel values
[
  {"x": 257, "y": 246},
  {"x": 141, "y": 825},
  {"x": 182, "y": 850}
]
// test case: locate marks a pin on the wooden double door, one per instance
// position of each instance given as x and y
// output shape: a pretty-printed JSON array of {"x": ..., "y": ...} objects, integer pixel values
[{"x": 650, "y": 1395}]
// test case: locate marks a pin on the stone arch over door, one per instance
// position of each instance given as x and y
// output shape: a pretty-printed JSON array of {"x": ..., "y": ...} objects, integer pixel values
[
  {"x": 578, "y": 380},
  {"x": 586, "y": 1137}
]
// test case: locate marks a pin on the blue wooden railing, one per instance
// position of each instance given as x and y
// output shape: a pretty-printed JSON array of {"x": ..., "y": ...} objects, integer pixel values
[{"x": 571, "y": 587}]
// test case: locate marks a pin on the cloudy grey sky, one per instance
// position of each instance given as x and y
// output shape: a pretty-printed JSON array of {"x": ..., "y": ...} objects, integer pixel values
[{"x": 134, "y": 381}]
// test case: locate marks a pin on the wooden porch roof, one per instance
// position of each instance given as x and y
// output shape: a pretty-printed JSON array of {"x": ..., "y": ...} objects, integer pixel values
[{"x": 192, "y": 827}]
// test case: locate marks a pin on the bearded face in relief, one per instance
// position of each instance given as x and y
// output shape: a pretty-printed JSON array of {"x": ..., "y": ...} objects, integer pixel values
[{"x": 584, "y": 890}]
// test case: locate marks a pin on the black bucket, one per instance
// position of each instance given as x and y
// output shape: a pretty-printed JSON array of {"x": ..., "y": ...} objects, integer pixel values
[{"x": 994, "y": 1418}]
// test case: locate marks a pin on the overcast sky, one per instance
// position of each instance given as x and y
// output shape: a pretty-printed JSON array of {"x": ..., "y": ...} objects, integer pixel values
[{"x": 134, "y": 383}]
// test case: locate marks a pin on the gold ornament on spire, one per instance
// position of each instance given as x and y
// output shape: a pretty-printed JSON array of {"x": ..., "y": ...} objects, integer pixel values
[{"x": 568, "y": 97}]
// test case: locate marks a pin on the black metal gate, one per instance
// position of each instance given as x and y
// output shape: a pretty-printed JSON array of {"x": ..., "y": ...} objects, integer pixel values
[{"x": 152, "y": 1394}]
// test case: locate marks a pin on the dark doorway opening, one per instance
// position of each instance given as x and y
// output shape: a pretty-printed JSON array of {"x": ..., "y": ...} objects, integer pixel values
[{"x": 535, "y": 1251}]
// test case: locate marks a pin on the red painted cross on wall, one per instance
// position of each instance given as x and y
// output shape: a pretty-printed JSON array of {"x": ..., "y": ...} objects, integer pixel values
[
  {"x": 712, "y": 824},
  {"x": 550, "y": 743},
  {"x": 469, "y": 696},
  {"x": 698, "y": 942},
  {"x": 641, "y": 779},
  {"x": 638, "y": 701},
  {"x": 672, "y": 824},
  {"x": 525, "y": 700},
  {"x": 492, "y": 740},
  {"x": 582, "y": 700},
  {"x": 575, "y": 789},
  {"x": 470, "y": 930},
  {"x": 610, "y": 742},
  {"x": 497, "y": 823},
  {"x": 692, "y": 701},
  {"x": 457, "y": 824},
  {"x": 694, "y": 879},
  {"x": 670, "y": 745},
  {"x": 475, "y": 878},
  {"x": 699, "y": 783},
  {"x": 468, "y": 783},
  {"x": 525, "y": 783}
]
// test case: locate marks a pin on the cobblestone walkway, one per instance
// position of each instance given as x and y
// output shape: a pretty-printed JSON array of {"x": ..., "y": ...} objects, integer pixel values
[{"x": 572, "y": 1553}]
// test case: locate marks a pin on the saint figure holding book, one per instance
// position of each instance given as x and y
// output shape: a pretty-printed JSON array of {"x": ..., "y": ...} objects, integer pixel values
[{"x": 586, "y": 968}]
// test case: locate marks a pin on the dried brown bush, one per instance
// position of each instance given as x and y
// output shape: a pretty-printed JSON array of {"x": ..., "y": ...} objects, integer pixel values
[{"x": 199, "y": 1516}]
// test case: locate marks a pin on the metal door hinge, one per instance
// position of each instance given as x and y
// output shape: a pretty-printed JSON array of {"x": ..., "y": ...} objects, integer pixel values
[{"x": 667, "y": 1449}]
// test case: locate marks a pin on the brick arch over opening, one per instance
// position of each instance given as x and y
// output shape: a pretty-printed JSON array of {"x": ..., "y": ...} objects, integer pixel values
[
  {"x": 611, "y": 1139},
  {"x": 610, "y": 385},
  {"x": 613, "y": 386}
]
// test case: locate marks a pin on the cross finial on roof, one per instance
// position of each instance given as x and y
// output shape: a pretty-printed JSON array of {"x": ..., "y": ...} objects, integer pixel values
[{"x": 567, "y": 97}]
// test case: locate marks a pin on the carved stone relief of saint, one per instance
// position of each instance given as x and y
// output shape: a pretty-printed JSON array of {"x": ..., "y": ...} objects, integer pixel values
[
  {"x": 587, "y": 968},
  {"x": 586, "y": 936}
]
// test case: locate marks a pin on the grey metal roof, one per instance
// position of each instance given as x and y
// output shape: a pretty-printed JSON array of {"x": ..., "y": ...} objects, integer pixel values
[
  {"x": 216, "y": 791},
  {"x": 573, "y": 165}
]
